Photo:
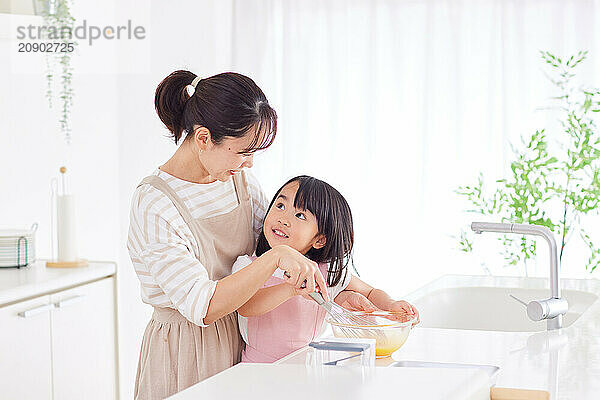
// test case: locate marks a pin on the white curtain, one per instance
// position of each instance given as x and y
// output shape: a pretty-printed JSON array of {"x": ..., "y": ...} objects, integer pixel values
[{"x": 397, "y": 103}]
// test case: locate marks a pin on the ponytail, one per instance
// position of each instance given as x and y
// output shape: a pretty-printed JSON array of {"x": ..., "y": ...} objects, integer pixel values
[
  {"x": 227, "y": 104},
  {"x": 170, "y": 99}
]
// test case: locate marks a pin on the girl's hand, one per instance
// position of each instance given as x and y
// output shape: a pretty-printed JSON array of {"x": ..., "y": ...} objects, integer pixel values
[
  {"x": 300, "y": 269},
  {"x": 404, "y": 307},
  {"x": 354, "y": 301}
]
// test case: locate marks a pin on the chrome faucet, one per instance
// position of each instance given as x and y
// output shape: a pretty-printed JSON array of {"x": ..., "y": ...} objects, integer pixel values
[{"x": 551, "y": 309}]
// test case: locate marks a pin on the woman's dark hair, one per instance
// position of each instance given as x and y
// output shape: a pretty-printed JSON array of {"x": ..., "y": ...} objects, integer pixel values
[
  {"x": 334, "y": 221},
  {"x": 227, "y": 104}
]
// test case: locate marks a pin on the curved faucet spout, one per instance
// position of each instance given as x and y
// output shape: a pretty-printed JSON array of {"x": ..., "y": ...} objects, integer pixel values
[
  {"x": 523, "y": 229},
  {"x": 555, "y": 312}
]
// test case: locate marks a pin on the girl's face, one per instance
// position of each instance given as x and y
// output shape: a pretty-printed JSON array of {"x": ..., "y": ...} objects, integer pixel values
[{"x": 287, "y": 225}]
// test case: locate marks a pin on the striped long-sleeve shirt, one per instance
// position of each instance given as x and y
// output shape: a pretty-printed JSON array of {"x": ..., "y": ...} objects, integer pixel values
[{"x": 163, "y": 249}]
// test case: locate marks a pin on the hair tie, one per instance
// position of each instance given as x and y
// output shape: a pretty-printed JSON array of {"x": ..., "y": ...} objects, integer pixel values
[{"x": 191, "y": 88}]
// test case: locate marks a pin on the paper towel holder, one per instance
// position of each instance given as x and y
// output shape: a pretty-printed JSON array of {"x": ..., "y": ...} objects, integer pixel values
[{"x": 56, "y": 262}]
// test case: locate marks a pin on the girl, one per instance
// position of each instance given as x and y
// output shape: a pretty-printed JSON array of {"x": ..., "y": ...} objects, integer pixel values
[{"x": 313, "y": 218}]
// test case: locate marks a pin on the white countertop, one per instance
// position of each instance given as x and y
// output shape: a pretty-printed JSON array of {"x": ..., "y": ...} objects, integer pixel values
[
  {"x": 18, "y": 284},
  {"x": 295, "y": 381}
]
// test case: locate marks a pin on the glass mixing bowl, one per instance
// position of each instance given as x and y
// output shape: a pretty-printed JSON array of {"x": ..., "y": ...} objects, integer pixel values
[{"x": 390, "y": 330}]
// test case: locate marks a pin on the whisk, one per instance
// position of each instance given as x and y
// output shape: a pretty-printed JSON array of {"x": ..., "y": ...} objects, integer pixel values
[{"x": 347, "y": 320}]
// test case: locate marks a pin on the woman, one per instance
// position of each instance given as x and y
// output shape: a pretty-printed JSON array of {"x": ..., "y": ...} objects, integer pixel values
[{"x": 189, "y": 222}]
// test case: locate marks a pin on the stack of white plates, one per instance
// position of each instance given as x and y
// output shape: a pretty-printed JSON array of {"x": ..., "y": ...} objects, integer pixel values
[{"x": 17, "y": 247}]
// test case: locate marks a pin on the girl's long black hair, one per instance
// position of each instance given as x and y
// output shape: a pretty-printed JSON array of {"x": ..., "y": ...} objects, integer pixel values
[{"x": 334, "y": 220}]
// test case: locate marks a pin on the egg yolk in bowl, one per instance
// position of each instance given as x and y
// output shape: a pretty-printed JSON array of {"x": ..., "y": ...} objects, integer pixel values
[{"x": 390, "y": 330}]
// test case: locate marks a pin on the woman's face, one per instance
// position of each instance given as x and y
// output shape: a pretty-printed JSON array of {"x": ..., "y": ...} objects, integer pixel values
[
  {"x": 287, "y": 225},
  {"x": 223, "y": 160}
]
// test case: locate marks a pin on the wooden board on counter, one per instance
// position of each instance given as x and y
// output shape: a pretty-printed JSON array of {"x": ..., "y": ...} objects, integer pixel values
[{"x": 518, "y": 394}]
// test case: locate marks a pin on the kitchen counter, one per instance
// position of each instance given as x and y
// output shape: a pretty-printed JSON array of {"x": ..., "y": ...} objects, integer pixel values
[
  {"x": 295, "y": 381},
  {"x": 17, "y": 284},
  {"x": 565, "y": 362}
]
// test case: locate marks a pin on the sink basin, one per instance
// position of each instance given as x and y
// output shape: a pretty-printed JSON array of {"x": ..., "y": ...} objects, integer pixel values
[
  {"x": 490, "y": 370},
  {"x": 483, "y": 303}
]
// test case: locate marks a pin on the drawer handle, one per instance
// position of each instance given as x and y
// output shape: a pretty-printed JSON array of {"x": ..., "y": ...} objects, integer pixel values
[
  {"x": 36, "y": 310},
  {"x": 70, "y": 301}
]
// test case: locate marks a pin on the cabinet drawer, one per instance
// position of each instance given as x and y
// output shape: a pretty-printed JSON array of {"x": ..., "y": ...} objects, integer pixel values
[
  {"x": 25, "y": 352},
  {"x": 83, "y": 342}
]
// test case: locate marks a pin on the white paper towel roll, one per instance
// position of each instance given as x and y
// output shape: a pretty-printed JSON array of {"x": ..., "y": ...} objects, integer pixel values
[{"x": 67, "y": 239}]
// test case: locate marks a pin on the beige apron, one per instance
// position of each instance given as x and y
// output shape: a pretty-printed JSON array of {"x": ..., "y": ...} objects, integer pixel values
[{"x": 176, "y": 353}]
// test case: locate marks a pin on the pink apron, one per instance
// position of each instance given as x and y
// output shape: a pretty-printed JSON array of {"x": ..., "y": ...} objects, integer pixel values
[{"x": 285, "y": 329}]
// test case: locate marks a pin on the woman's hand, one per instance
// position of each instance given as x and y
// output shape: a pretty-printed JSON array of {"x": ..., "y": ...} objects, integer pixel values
[
  {"x": 300, "y": 269},
  {"x": 354, "y": 301},
  {"x": 302, "y": 292},
  {"x": 402, "y": 306}
]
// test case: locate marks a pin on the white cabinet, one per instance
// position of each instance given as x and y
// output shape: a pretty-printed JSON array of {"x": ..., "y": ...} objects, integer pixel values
[
  {"x": 25, "y": 355},
  {"x": 83, "y": 342},
  {"x": 67, "y": 350}
]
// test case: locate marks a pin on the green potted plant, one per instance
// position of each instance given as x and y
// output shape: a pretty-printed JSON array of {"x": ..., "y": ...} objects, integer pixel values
[
  {"x": 554, "y": 179},
  {"x": 59, "y": 20}
]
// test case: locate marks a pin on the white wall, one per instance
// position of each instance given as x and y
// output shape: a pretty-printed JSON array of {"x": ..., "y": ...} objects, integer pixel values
[{"x": 32, "y": 149}]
